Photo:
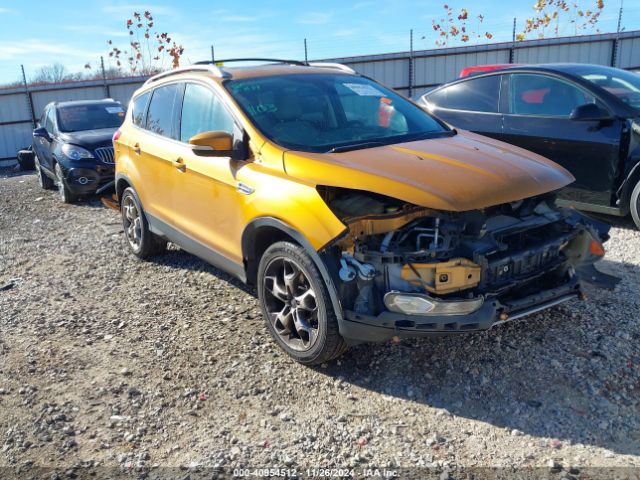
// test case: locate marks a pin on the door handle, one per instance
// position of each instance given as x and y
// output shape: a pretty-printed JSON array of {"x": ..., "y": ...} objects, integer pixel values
[
  {"x": 136, "y": 148},
  {"x": 179, "y": 164}
]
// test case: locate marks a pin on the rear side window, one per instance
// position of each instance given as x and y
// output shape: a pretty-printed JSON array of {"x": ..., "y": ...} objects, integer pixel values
[
  {"x": 139, "y": 108},
  {"x": 477, "y": 95},
  {"x": 161, "y": 113},
  {"x": 542, "y": 95},
  {"x": 202, "y": 111}
]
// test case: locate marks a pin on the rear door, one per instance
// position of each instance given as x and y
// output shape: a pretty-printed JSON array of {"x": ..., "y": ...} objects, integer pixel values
[
  {"x": 539, "y": 107},
  {"x": 473, "y": 105},
  {"x": 154, "y": 149}
]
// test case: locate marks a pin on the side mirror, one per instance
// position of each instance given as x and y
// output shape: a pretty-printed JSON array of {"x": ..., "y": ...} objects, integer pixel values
[
  {"x": 41, "y": 132},
  {"x": 215, "y": 142},
  {"x": 589, "y": 112}
]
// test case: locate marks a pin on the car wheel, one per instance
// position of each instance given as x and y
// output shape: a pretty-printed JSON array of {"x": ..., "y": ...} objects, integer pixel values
[
  {"x": 635, "y": 205},
  {"x": 142, "y": 241},
  {"x": 44, "y": 181},
  {"x": 296, "y": 305},
  {"x": 63, "y": 190}
]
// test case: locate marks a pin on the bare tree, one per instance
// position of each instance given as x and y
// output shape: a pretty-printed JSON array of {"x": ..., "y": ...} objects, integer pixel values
[
  {"x": 551, "y": 14},
  {"x": 52, "y": 74},
  {"x": 148, "y": 48},
  {"x": 459, "y": 27}
]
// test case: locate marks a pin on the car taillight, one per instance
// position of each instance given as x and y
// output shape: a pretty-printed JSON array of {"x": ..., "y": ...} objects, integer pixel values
[{"x": 116, "y": 135}]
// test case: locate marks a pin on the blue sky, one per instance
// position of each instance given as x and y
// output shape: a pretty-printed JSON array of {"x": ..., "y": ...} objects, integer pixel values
[{"x": 73, "y": 32}]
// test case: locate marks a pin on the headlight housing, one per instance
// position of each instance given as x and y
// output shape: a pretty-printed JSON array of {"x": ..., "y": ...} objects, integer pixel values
[
  {"x": 421, "y": 304},
  {"x": 74, "y": 152}
]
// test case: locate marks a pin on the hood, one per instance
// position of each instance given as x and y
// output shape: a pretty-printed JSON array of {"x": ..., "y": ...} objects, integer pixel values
[
  {"x": 458, "y": 173},
  {"x": 90, "y": 139}
]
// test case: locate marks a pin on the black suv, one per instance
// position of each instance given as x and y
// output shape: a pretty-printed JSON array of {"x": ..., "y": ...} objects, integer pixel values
[
  {"x": 73, "y": 146},
  {"x": 584, "y": 117}
]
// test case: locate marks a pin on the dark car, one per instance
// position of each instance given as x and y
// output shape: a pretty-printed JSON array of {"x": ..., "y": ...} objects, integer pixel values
[
  {"x": 584, "y": 117},
  {"x": 73, "y": 146}
]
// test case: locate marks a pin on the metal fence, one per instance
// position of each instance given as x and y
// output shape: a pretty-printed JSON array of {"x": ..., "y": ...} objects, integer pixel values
[
  {"x": 414, "y": 72},
  {"x": 411, "y": 73}
]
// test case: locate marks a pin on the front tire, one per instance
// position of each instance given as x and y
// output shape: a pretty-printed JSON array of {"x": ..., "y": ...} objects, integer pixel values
[
  {"x": 296, "y": 305},
  {"x": 63, "y": 190},
  {"x": 142, "y": 242},
  {"x": 635, "y": 205},
  {"x": 43, "y": 179}
]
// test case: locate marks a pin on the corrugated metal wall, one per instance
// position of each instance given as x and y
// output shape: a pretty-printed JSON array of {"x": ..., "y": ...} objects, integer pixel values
[
  {"x": 433, "y": 67},
  {"x": 411, "y": 73}
]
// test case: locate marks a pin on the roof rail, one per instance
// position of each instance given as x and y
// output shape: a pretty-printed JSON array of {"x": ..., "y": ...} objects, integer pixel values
[
  {"x": 335, "y": 66},
  {"x": 213, "y": 69},
  {"x": 236, "y": 60}
]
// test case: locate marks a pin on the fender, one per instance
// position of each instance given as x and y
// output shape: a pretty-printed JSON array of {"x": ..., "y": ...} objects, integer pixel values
[{"x": 248, "y": 237}]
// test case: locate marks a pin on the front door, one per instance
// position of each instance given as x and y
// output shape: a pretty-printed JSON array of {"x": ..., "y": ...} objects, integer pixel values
[
  {"x": 206, "y": 198},
  {"x": 43, "y": 145},
  {"x": 538, "y": 120}
]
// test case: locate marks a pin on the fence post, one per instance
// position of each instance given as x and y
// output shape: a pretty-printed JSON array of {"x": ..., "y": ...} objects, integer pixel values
[
  {"x": 616, "y": 42},
  {"x": 29, "y": 98},
  {"x": 410, "y": 63},
  {"x": 306, "y": 58},
  {"x": 107, "y": 91},
  {"x": 513, "y": 43},
  {"x": 213, "y": 56}
]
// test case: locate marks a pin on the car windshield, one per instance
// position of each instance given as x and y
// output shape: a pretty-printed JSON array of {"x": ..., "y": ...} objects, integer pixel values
[
  {"x": 624, "y": 85},
  {"x": 322, "y": 113},
  {"x": 75, "y": 118}
]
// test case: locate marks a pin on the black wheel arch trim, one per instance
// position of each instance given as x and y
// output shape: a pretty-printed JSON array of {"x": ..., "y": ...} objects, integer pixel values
[{"x": 249, "y": 235}]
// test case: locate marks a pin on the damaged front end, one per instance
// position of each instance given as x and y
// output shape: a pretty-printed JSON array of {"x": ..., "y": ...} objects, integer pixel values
[{"x": 405, "y": 270}]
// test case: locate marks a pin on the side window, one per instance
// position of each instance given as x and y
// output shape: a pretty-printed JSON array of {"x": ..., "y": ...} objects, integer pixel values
[
  {"x": 49, "y": 122},
  {"x": 43, "y": 118},
  {"x": 477, "y": 95},
  {"x": 544, "y": 96},
  {"x": 202, "y": 111},
  {"x": 161, "y": 113},
  {"x": 139, "y": 108}
]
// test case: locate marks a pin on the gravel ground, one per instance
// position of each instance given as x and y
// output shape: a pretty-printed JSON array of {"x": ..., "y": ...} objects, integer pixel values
[{"x": 111, "y": 362}]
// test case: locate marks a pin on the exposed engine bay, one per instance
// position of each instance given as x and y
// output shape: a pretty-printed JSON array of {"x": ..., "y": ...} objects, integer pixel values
[{"x": 450, "y": 263}]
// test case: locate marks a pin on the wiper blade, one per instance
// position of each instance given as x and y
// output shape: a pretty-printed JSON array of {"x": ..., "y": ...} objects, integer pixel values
[{"x": 355, "y": 146}]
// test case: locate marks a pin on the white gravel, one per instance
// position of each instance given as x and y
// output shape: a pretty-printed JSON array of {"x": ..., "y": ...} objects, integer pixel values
[{"x": 110, "y": 362}]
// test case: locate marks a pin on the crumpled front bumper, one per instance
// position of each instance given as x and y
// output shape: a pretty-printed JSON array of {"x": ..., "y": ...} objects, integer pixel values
[{"x": 366, "y": 328}]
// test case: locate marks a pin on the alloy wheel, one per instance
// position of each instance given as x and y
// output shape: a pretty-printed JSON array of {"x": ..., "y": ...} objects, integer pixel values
[
  {"x": 291, "y": 303},
  {"x": 132, "y": 222}
]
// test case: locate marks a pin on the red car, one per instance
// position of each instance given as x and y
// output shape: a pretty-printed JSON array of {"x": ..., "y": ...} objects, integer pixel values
[{"x": 478, "y": 69}]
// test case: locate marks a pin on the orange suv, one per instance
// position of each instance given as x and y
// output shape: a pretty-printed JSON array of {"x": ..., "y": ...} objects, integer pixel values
[{"x": 358, "y": 216}]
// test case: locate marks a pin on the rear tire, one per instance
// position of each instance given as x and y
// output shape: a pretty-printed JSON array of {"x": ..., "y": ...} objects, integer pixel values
[
  {"x": 63, "y": 190},
  {"x": 296, "y": 305},
  {"x": 43, "y": 179},
  {"x": 635, "y": 205},
  {"x": 142, "y": 242}
]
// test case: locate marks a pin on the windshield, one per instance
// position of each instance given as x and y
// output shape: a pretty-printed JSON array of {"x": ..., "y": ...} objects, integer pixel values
[
  {"x": 321, "y": 113},
  {"x": 624, "y": 85},
  {"x": 76, "y": 118}
]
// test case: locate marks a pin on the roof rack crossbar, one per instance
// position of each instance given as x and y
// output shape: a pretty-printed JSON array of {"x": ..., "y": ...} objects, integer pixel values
[
  {"x": 236, "y": 60},
  {"x": 213, "y": 69}
]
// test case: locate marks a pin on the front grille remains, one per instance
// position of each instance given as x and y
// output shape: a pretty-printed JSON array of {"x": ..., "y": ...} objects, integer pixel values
[
  {"x": 528, "y": 255},
  {"x": 105, "y": 155}
]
